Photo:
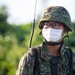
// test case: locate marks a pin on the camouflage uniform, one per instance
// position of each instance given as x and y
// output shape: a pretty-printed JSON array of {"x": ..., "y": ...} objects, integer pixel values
[{"x": 26, "y": 65}]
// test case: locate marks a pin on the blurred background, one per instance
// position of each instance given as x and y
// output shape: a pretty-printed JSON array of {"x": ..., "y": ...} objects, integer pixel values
[{"x": 16, "y": 19}]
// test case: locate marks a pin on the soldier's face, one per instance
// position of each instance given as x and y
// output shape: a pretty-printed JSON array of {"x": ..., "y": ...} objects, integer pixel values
[{"x": 53, "y": 31}]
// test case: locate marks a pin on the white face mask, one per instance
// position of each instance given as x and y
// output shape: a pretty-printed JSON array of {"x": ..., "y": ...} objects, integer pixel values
[{"x": 52, "y": 35}]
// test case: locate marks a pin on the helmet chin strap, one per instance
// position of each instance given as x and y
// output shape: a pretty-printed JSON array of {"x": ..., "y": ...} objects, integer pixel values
[
  {"x": 54, "y": 43},
  {"x": 68, "y": 41}
]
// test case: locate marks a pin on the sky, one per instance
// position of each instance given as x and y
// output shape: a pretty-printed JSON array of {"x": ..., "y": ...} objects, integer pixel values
[{"x": 22, "y": 11}]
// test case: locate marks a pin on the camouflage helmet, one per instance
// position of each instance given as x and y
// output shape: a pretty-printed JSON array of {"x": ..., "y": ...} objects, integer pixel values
[{"x": 57, "y": 14}]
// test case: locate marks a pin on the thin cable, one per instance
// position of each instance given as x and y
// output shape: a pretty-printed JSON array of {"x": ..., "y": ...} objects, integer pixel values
[{"x": 33, "y": 25}]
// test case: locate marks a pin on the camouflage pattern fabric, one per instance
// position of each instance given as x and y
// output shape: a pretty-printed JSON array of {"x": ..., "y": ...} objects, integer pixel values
[{"x": 26, "y": 64}]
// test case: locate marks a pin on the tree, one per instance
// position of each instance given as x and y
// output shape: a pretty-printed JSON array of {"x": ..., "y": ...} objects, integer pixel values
[{"x": 3, "y": 20}]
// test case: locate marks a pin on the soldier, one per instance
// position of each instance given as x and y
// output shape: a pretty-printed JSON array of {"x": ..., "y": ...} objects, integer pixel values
[{"x": 52, "y": 57}]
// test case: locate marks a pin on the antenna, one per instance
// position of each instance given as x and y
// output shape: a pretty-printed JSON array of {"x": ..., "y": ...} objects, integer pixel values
[{"x": 33, "y": 25}]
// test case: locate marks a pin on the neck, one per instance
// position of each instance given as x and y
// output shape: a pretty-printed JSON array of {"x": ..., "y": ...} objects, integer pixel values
[{"x": 54, "y": 50}]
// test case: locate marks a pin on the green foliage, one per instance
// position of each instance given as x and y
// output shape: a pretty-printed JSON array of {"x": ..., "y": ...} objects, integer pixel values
[
  {"x": 72, "y": 35},
  {"x": 37, "y": 38}
]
